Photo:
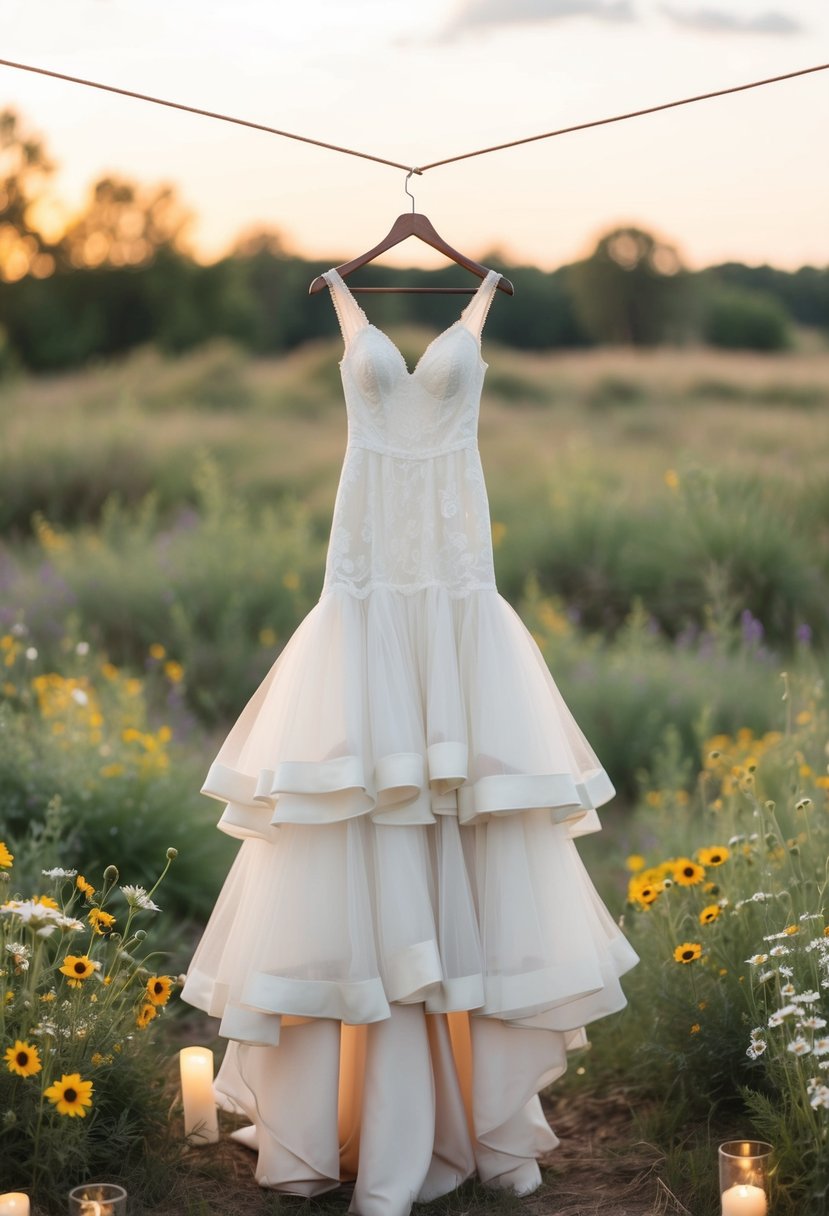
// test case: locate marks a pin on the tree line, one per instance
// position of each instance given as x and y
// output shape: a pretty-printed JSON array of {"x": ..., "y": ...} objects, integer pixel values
[{"x": 122, "y": 274}]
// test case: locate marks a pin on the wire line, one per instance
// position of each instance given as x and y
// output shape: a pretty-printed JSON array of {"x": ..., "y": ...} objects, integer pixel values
[
  {"x": 600, "y": 122},
  {"x": 178, "y": 105},
  {"x": 319, "y": 143}
]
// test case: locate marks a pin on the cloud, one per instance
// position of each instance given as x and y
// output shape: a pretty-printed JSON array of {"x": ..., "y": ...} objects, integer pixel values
[
  {"x": 483, "y": 14},
  {"x": 717, "y": 21}
]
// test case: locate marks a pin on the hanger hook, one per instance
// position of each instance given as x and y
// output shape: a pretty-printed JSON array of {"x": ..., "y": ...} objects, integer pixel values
[{"x": 408, "y": 191}]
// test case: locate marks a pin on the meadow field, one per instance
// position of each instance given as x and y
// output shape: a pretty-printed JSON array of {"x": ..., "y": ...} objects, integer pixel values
[{"x": 660, "y": 522}]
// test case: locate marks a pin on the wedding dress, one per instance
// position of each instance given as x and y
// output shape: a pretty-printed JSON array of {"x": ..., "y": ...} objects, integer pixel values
[{"x": 407, "y": 944}]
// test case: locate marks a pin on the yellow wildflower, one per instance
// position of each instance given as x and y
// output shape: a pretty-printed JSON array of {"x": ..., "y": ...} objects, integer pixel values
[
  {"x": 687, "y": 873},
  {"x": 715, "y": 855},
  {"x": 173, "y": 671},
  {"x": 23, "y": 1059},
  {"x": 71, "y": 1095},
  {"x": 157, "y": 651},
  {"x": 709, "y": 914},
  {"x": 86, "y": 888},
  {"x": 688, "y": 952},
  {"x": 635, "y": 862},
  {"x": 145, "y": 1015},
  {"x": 100, "y": 921},
  {"x": 6, "y": 858},
  {"x": 159, "y": 988}
]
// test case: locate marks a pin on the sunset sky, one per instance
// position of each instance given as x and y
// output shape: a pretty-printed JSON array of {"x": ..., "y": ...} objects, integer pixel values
[{"x": 744, "y": 177}]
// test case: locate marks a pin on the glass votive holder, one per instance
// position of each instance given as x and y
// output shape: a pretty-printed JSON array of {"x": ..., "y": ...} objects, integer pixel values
[
  {"x": 744, "y": 1177},
  {"x": 98, "y": 1199}
]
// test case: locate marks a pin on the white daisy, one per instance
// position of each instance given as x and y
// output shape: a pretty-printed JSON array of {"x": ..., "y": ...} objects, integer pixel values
[
  {"x": 757, "y": 960},
  {"x": 756, "y": 1048},
  {"x": 812, "y": 1023},
  {"x": 799, "y": 1046},
  {"x": 821, "y": 1046},
  {"x": 57, "y": 872},
  {"x": 779, "y": 951}
]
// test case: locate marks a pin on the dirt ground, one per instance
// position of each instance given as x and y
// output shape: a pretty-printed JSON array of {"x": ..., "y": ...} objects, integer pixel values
[{"x": 598, "y": 1168}]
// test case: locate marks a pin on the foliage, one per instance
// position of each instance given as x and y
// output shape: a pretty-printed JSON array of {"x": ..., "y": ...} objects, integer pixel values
[
  {"x": 730, "y": 917},
  {"x": 81, "y": 1089},
  {"x": 630, "y": 289},
  {"x": 81, "y": 763},
  {"x": 749, "y": 320}
]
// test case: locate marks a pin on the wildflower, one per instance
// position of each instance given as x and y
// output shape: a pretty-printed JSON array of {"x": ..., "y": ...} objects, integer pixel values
[
  {"x": 687, "y": 873},
  {"x": 695, "y": 1029},
  {"x": 137, "y": 897},
  {"x": 779, "y": 1015},
  {"x": 709, "y": 914},
  {"x": 821, "y": 1047},
  {"x": 688, "y": 952},
  {"x": 57, "y": 872},
  {"x": 157, "y": 651},
  {"x": 82, "y": 649},
  {"x": 788, "y": 990},
  {"x": 819, "y": 1097},
  {"x": 635, "y": 862},
  {"x": 799, "y": 1046},
  {"x": 779, "y": 951},
  {"x": 756, "y": 1048},
  {"x": 86, "y": 888},
  {"x": 71, "y": 1095},
  {"x": 159, "y": 988},
  {"x": 101, "y": 921},
  {"x": 145, "y": 1015},
  {"x": 645, "y": 893},
  {"x": 803, "y": 804},
  {"x": 765, "y": 976},
  {"x": 20, "y": 955},
  {"x": 46, "y": 901},
  {"x": 807, "y": 998},
  {"x": 173, "y": 671},
  {"x": 757, "y": 960},
  {"x": 23, "y": 1059},
  {"x": 812, "y": 1023},
  {"x": 713, "y": 856},
  {"x": 78, "y": 967},
  {"x": 69, "y": 924}
]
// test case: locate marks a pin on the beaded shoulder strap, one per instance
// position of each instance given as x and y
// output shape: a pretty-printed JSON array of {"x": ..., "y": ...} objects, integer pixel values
[{"x": 349, "y": 313}]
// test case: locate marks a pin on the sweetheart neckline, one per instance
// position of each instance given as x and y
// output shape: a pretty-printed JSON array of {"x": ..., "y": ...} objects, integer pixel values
[{"x": 370, "y": 324}]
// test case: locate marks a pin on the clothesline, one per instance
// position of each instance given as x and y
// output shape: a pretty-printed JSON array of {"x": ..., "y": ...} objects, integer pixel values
[{"x": 582, "y": 126}]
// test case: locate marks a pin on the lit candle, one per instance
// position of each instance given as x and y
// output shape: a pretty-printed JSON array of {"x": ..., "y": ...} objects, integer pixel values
[
  {"x": 14, "y": 1203},
  {"x": 201, "y": 1125},
  {"x": 744, "y": 1200}
]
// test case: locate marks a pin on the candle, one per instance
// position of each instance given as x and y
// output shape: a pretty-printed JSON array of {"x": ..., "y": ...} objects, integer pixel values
[
  {"x": 201, "y": 1124},
  {"x": 744, "y": 1200},
  {"x": 14, "y": 1203},
  {"x": 98, "y": 1199}
]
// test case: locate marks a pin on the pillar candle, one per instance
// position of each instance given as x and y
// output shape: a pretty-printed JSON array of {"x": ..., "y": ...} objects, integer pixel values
[
  {"x": 744, "y": 1200},
  {"x": 14, "y": 1203},
  {"x": 201, "y": 1124}
]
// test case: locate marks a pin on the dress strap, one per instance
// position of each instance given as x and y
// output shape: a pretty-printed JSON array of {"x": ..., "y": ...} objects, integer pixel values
[
  {"x": 475, "y": 313},
  {"x": 349, "y": 313}
]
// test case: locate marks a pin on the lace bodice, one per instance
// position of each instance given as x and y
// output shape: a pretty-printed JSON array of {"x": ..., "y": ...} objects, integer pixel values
[{"x": 411, "y": 508}]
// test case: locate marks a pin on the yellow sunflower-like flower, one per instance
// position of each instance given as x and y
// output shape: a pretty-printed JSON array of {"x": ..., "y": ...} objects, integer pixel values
[
  {"x": 46, "y": 901},
  {"x": 6, "y": 858},
  {"x": 688, "y": 952},
  {"x": 635, "y": 862},
  {"x": 145, "y": 1015},
  {"x": 85, "y": 888},
  {"x": 714, "y": 856},
  {"x": 100, "y": 920},
  {"x": 78, "y": 967},
  {"x": 23, "y": 1059},
  {"x": 687, "y": 873},
  {"x": 159, "y": 988},
  {"x": 71, "y": 1095},
  {"x": 645, "y": 893},
  {"x": 708, "y": 915}
]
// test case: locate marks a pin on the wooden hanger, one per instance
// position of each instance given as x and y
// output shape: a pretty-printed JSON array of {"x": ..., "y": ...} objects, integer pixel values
[{"x": 413, "y": 223}]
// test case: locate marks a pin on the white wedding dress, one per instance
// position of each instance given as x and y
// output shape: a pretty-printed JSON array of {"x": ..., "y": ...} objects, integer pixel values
[{"x": 407, "y": 944}]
